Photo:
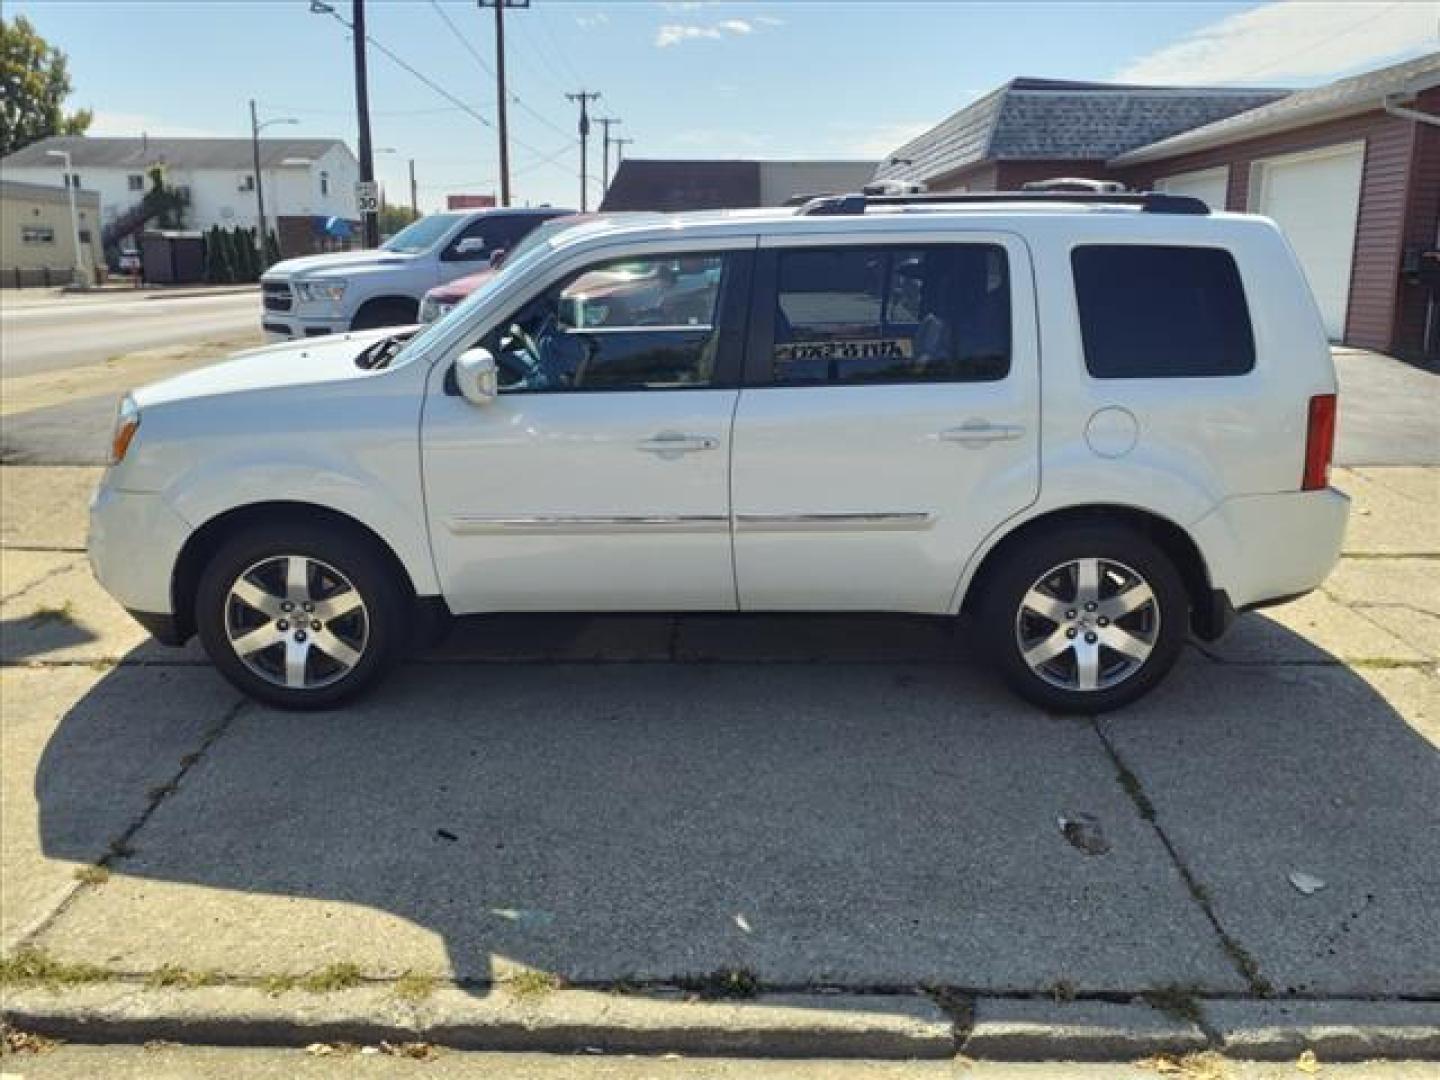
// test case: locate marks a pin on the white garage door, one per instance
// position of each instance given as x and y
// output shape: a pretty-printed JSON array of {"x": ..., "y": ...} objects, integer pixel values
[
  {"x": 1315, "y": 198},
  {"x": 1208, "y": 186}
]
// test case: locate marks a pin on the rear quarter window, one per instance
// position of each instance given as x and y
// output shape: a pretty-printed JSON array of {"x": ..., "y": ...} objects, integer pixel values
[{"x": 1154, "y": 312}]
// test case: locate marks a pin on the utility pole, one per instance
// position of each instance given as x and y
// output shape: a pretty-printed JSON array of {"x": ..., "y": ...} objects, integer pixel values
[
  {"x": 255, "y": 128},
  {"x": 501, "y": 101},
  {"x": 620, "y": 145},
  {"x": 414, "y": 199},
  {"x": 605, "y": 122},
  {"x": 362, "y": 112},
  {"x": 584, "y": 98}
]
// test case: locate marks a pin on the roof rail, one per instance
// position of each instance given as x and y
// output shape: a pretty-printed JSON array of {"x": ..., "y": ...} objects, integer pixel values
[{"x": 1152, "y": 202}]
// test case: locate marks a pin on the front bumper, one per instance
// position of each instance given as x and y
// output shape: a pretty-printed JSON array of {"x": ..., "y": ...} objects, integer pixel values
[
  {"x": 280, "y": 326},
  {"x": 134, "y": 543},
  {"x": 1266, "y": 548}
]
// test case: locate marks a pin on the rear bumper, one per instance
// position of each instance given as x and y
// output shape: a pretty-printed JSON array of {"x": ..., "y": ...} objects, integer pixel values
[{"x": 1264, "y": 549}]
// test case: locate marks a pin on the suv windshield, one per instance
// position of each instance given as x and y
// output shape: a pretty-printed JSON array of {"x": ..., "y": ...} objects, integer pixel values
[{"x": 421, "y": 235}]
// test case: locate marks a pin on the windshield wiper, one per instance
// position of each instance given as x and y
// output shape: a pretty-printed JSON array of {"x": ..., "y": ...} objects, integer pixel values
[{"x": 379, "y": 353}]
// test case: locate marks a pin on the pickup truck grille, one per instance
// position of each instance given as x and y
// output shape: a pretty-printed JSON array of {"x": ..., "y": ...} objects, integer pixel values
[{"x": 276, "y": 297}]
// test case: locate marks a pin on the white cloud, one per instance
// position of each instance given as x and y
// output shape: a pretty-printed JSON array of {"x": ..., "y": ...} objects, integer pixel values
[
  {"x": 132, "y": 125},
  {"x": 674, "y": 33},
  {"x": 1292, "y": 39}
]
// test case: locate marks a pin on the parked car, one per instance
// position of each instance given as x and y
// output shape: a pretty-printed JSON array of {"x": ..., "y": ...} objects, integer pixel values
[
  {"x": 362, "y": 290},
  {"x": 442, "y": 299},
  {"x": 1094, "y": 424}
]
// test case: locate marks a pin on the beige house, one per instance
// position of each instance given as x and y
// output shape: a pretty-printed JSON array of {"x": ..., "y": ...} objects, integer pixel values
[{"x": 37, "y": 240}]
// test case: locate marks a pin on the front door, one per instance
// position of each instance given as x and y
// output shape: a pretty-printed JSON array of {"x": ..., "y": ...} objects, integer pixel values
[
  {"x": 890, "y": 419},
  {"x": 599, "y": 477}
]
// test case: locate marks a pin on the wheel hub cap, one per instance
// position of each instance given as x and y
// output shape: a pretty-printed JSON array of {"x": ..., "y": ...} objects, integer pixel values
[
  {"x": 1088, "y": 624},
  {"x": 296, "y": 622}
]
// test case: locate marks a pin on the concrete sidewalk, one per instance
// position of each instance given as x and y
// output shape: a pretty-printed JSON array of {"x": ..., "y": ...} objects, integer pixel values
[{"x": 561, "y": 832}]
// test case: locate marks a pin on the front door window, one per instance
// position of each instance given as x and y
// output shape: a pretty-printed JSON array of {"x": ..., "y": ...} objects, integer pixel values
[{"x": 632, "y": 324}]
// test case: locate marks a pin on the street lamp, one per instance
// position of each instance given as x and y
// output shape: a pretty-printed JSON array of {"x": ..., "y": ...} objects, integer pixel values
[
  {"x": 81, "y": 277},
  {"x": 255, "y": 128}
]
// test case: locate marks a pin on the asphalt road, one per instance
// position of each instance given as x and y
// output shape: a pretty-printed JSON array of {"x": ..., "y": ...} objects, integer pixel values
[
  {"x": 65, "y": 361},
  {"x": 73, "y": 331}
]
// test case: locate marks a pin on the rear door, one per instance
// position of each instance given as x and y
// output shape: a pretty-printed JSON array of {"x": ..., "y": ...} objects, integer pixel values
[{"x": 890, "y": 418}]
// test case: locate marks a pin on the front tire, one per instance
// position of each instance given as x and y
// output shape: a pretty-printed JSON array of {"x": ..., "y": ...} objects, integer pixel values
[
  {"x": 1086, "y": 620},
  {"x": 301, "y": 615}
]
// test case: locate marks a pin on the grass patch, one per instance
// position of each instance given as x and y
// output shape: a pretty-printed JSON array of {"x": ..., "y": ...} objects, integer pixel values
[
  {"x": 32, "y": 967},
  {"x": 331, "y": 977},
  {"x": 275, "y": 985},
  {"x": 415, "y": 987},
  {"x": 169, "y": 976},
  {"x": 532, "y": 984},
  {"x": 1177, "y": 1001},
  {"x": 723, "y": 983},
  {"x": 48, "y": 613},
  {"x": 92, "y": 875}
]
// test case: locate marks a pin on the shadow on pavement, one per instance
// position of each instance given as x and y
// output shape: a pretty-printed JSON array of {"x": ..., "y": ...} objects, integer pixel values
[
  {"x": 871, "y": 824},
  {"x": 45, "y": 632}
]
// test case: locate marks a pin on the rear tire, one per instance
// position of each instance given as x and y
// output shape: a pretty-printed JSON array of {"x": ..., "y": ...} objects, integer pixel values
[
  {"x": 301, "y": 615},
  {"x": 1085, "y": 620}
]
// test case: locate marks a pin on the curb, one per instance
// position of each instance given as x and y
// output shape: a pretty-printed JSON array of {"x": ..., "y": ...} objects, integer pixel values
[
  {"x": 878, "y": 1026},
  {"x": 560, "y": 1021}
]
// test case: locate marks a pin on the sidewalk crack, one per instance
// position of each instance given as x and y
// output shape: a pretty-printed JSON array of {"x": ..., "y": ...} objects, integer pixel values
[
  {"x": 1245, "y": 964},
  {"x": 120, "y": 847}
]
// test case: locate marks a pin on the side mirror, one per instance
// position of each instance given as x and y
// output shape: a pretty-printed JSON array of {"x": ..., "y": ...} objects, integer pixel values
[
  {"x": 477, "y": 376},
  {"x": 471, "y": 245}
]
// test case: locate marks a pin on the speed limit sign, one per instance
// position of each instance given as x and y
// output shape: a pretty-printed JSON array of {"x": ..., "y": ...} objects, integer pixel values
[{"x": 367, "y": 196}]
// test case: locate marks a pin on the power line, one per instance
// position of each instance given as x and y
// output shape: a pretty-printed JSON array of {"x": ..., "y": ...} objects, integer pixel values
[{"x": 485, "y": 67}]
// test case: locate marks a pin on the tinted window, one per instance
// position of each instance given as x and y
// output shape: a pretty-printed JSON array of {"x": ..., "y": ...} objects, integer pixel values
[
  {"x": 878, "y": 314},
  {"x": 633, "y": 324},
  {"x": 1149, "y": 312}
]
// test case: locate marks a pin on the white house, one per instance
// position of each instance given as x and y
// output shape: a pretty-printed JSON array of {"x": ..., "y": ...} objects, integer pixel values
[{"x": 306, "y": 181}]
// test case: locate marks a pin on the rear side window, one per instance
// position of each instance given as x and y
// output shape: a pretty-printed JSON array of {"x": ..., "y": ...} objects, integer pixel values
[
  {"x": 1153, "y": 312},
  {"x": 892, "y": 314}
]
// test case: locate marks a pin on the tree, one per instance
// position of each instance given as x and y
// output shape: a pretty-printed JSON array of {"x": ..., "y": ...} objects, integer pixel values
[
  {"x": 395, "y": 218},
  {"x": 34, "y": 83}
]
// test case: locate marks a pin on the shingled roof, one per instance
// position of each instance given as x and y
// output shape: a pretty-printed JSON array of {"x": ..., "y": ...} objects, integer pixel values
[
  {"x": 1359, "y": 93},
  {"x": 235, "y": 154},
  {"x": 1031, "y": 119}
]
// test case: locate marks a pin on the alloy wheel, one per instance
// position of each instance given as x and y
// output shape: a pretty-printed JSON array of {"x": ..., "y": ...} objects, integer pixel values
[
  {"x": 1088, "y": 624},
  {"x": 296, "y": 622}
]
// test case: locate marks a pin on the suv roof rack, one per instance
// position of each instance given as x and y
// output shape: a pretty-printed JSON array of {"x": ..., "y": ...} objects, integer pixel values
[{"x": 1152, "y": 202}]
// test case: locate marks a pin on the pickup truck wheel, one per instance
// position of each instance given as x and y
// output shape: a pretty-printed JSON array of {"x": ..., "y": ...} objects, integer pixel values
[
  {"x": 1087, "y": 620},
  {"x": 301, "y": 616}
]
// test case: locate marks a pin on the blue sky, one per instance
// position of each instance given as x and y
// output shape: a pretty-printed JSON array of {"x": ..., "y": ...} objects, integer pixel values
[{"x": 774, "y": 80}]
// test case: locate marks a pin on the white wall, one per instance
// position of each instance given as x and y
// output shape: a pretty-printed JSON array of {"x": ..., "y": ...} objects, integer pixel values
[{"x": 215, "y": 194}]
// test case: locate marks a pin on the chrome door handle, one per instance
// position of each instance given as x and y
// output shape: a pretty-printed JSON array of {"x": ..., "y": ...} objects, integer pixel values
[
  {"x": 671, "y": 444},
  {"x": 975, "y": 433}
]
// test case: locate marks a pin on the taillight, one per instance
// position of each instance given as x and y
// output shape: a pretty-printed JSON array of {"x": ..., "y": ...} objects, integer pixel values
[{"x": 1319, "y": 443}]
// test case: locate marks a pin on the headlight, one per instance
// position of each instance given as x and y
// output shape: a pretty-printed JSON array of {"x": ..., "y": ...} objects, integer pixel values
[
  {"x": 434, "y": 310},
  {"x": 320, "y": 291},
  {"x": 127, "y": 422}
]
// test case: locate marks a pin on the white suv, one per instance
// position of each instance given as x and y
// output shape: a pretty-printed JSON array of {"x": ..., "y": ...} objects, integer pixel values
[{"x": 1096, "y": 424}]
